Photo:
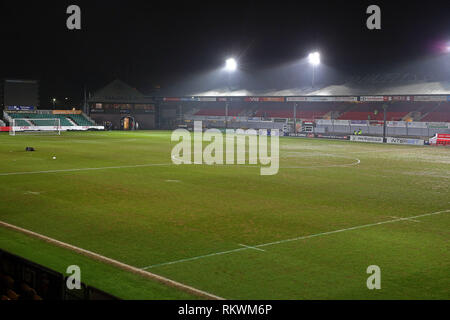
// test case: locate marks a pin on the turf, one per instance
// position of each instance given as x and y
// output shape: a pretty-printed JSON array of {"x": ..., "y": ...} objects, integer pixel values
[{"x": 147, "y": 216}]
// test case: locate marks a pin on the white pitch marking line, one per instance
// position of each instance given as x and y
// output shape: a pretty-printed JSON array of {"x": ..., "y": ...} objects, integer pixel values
[
  {"x": 355, "y": 163},
  {"x": 32, "y": 192},
  {"x": 406, "y": 219},
  {"x": 293, "y": 239},
  {"x": 250, "y": 247},
  {"x": 194, "y": 258},
  {"x": 113, "y": 262},
  {"x": 85, "y": 169}
]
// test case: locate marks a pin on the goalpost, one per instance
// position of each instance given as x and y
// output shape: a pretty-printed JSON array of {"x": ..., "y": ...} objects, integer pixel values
[{"x": 35, "y": 126}]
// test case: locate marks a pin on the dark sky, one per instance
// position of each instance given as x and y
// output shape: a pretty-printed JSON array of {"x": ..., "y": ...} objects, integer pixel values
[{"x": 171, "y": 43}]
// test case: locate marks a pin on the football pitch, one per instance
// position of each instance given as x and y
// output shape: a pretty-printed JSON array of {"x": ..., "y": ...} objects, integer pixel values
[{"x": 309, "y": 232}]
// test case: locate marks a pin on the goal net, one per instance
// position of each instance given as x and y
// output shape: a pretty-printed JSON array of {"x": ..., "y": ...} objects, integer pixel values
[{"x": 35, "y": 126}]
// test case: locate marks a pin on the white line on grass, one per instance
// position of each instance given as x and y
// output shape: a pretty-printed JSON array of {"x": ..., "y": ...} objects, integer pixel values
[
  {"x": 356, "y": 162},
  {"x": 406, "y": 219},
  {"x": 329, "y": 165},
  {"x": 85, "y": 169},
  {"x": 194, "y": 258},
  {"x": 115, "y": 263},
  {"x": 157, "y": 164},
  {"x": 294, "y": 239},
  {"x": 250, "y": 247}
]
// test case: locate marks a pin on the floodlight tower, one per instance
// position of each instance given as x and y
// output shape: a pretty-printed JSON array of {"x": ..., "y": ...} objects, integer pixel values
[
  {"x": 230, "y": 67},
  {"x": 314, "y": 60}
]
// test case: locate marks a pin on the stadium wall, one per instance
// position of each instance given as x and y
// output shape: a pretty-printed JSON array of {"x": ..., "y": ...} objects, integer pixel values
[
  {"x": 394, "y": 128},
  {"x": 146, "y": 121}
]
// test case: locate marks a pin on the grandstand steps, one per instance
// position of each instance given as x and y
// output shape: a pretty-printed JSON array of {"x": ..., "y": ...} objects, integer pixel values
[
  {"x": 249, "y": 112},
  {"x": 331, "y": 115},
  {"x": 350, "y": 108},
  {"x": 7, "y": 117},
  {"x": 88, "y": 118},
  {"x": 425, "y": 114},
  {"x": 413, "y": 115},
  {"x": 328, "y": 115},
  {"x": 189, "y": 113},
  {"x": 71, "y": 121}
]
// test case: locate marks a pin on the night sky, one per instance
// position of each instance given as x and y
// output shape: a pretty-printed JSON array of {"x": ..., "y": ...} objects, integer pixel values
[{"x": 178, "y": 44}]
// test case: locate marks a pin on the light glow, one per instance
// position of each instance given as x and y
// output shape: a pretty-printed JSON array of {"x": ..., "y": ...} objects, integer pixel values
[
  {"x": 230, "y": 65},
  {"x": 314, "y": 58}
]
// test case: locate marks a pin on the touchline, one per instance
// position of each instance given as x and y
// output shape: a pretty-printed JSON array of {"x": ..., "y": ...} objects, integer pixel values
[{"x": 234, "y": 139}]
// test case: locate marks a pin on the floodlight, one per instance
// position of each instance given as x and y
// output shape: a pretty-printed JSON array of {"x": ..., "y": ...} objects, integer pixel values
[
  {"x": 314, "y": 58},
  {"x": 230, "y": 65}
]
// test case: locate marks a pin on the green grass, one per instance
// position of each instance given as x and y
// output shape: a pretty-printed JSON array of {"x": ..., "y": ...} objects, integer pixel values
[
  {"x": 146, "y": 216},
  {"x": 120, "y": 283}
]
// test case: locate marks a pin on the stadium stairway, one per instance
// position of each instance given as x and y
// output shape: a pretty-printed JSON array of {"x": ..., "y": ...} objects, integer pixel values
[
  {"x": 440, "y": 113},
  {"x": 80, "y": 120}
]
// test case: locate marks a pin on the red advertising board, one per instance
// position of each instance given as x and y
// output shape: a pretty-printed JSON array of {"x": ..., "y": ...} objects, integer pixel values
[
  {"x": 440, "y": 139},
  {"x": 272, "y": 99},
  {"x": 4, "y": 128}
]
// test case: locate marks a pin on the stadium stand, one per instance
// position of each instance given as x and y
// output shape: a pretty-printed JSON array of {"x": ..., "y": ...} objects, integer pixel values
[
  {"x": 21, "y": 279},
  {"x": 219, "y": 110},
  {"x": 374, "y": 111},
  {"x": 275, "y": 111},
  {"x": 316, "y": 110},
  {"x": 397, "y": 111},
  {"x": 80, "y": 120},
  {"x": 31, "y": 116},
  {"x": 65, "y": 119},
  {"x": 439, "y": 114},
  {"x": 311, "y": 111}
]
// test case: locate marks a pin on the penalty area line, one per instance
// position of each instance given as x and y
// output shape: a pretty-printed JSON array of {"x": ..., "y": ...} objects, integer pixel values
[
  {"x": 256, "y": 247},
  {"x": 115, "y": 263}
]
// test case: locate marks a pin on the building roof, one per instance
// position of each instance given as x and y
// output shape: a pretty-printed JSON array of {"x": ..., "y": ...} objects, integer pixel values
[
  {"x": 346, "y": 89},
  {"x": 119, "y": 92}
]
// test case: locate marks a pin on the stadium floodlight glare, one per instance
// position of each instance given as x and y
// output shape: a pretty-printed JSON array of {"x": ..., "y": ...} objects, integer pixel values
[
  {"x": 314, "y": 58},
  {"x": 230, "y": 65}
]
